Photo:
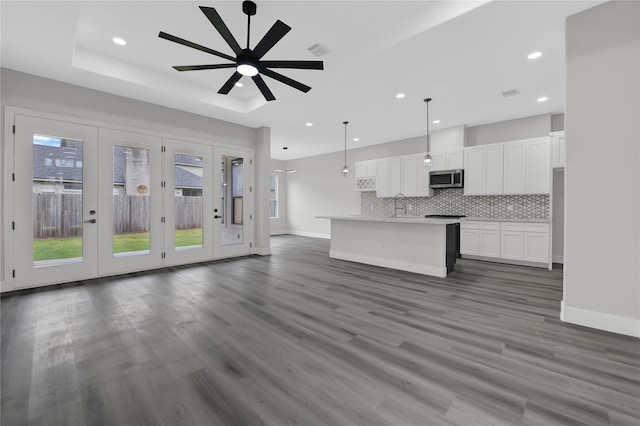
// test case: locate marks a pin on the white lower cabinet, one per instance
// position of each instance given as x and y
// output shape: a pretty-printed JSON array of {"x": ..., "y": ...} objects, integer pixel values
[{"x": 520, "y": 241}]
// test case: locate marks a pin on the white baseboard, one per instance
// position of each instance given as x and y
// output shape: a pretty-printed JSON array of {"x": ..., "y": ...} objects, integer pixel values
[
  {"x": 262, "y": 251},
  {"x": 388, "y": 263},
  {"x": 281, "y": 232},
  {"x": 310, "y": 234},
  {"x": 600, "y": 320},
  {"x": 558, "y": 258}
]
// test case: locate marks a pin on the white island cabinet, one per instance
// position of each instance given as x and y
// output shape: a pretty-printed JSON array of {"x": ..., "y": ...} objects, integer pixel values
[{"x": 409, "y": 244}]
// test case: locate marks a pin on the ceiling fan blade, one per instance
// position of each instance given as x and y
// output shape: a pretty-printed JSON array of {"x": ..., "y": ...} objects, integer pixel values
[
  {"x": 286, "y": 80},
  {"x": 275, "y": 33},
  {"x": 202, "y": 67},
  {"x": 226, "y": 88},
  {"x": 263, "y": 88},
  {"x": 302, "y": 65},
  {"x": 194, "y": 46},
  {"x": 222, "y": 28}
]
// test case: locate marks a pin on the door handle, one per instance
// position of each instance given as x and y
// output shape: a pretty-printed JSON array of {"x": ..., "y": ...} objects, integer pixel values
[
  {"x": 217, "y": 217},
  {"x": 90, "y": 221}
]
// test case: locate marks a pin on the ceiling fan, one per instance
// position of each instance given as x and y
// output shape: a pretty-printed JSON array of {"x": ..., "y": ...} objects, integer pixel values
[{"x": 247, "y": 62}]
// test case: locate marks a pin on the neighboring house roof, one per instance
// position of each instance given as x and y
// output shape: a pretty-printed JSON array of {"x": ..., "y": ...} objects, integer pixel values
[{"x": 66, "y": 163}]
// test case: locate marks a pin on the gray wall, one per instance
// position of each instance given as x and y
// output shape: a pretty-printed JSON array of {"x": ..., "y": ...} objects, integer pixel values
[
  {"x": 602, "y": 226},
  {"x": 557, "y": 122},
  {"x": 557, "y": 246},
  {"x": 511, "y": 130},
  {"x": 44, "y": 95},
  {"x": 279, "y": 225}
]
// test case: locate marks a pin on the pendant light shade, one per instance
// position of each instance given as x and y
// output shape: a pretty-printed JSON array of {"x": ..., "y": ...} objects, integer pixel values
[
  {"x": 428, "y": 162},
  {"x": 345, "y": 169}
]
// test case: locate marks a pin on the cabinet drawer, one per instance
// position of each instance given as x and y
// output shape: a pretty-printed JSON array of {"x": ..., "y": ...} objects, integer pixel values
[
  {"x": 512, "y": 226},
  {"x": 536, "y": 227},
  {"x": 490, "y": 226},
  {"x": 468, "y": 224}
]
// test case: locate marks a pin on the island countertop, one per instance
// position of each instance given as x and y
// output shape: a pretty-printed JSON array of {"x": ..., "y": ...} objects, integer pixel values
[{"x": 398, "y": 219}]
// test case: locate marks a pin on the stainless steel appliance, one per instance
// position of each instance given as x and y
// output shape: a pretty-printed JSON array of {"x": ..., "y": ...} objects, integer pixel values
[
  {"x": 446, "y": 179},
  {"x": 453, "y": 239}
]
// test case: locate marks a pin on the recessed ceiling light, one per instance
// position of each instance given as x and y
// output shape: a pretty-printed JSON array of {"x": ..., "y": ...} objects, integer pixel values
[
  {"x": 119, "y": 41},
  {"x": 238, "y": 84},
  {"x": 400, "y": 95},
  {"x": 534, "y": 55},
  {"x": 308, "y": 124},
  {"x": 543, "y": 99},
  {"x": 436, "y": 121},
  {"x": 356, "y": 139}
]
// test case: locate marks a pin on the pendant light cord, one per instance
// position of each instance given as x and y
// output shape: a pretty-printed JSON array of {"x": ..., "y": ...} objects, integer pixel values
[
  {"x": 345, "y": 142},
  {"x": 428, "y": 138}
]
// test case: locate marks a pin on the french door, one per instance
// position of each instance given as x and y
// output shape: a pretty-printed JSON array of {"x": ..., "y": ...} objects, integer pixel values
[
  {"x": 91, "y": 201},
  {"x": 188, "y": 175},
  {"x": 55, "y": 202},
  {"x": 130, "y": 202},
  {"x": 232, "y": 204}
]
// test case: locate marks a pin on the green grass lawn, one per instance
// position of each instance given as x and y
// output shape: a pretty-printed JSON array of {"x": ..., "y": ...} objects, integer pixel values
[{"x": 65, "y": 248}]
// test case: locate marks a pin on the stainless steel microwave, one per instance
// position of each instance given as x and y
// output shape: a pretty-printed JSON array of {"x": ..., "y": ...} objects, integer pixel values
[{"x": 446, "y": 179}]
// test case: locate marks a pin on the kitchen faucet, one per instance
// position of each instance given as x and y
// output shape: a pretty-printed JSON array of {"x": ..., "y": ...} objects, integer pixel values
[{"x": 395, "y": 204}]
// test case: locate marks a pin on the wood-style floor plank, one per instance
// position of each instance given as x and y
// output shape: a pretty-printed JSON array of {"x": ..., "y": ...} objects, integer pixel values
[{"x": 297, "y": 338}]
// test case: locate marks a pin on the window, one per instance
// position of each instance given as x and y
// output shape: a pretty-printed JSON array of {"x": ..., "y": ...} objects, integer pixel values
[{"x": 273, "y": 195}]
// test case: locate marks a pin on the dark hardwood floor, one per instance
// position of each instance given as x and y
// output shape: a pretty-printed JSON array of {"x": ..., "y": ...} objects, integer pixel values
[{"x": 299, "y": 338}]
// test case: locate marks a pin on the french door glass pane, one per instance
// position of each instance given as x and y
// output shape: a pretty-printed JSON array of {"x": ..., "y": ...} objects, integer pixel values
[
  {"x": 232, "y": 200},
  {"x": 57, "y": 200},
  {"x": 188, "y": 200},
  {"x": 131, "y": 194}
]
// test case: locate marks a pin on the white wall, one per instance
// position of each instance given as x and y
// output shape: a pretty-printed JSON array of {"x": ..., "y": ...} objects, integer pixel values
[
  {"x": 279, "y": 224},
  {"x": 510, "y": 130},
  {"x": 602, "y": 246},
  {"x": 557, "y": 215}
]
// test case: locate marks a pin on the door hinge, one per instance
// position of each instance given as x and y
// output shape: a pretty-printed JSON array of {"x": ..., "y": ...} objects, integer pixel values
[
  {"x": 250, "y": 217},
  {"x": 250, "y": 188},
  {"x": 14, "y": 129},
  {"x": 163, "y": 255},
  {"x": 164, "y": 149},
  {"x": 13, "y": 177},
  {"x": 13, "y": 226},
  {"x": 162, "y": 219},
  {"x": 250, "y": 245},
  {"x": 14, "y": 273},
  {"x": 251, "y": 161},
  {"x": 163, "y": 184}
]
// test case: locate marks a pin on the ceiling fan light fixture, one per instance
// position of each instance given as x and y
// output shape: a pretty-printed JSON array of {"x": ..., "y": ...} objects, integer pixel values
[{"x": 247, "y": 70}]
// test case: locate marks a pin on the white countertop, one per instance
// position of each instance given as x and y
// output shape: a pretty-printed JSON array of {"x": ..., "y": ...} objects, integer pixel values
[
  {"x": 399, "y": 219},
  {"x": 503, "y": 219},
  {"x": 430, "y": 220}
]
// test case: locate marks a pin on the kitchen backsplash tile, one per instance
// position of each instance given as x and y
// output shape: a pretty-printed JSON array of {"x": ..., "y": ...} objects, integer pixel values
[{"x": 452, "y": 201}]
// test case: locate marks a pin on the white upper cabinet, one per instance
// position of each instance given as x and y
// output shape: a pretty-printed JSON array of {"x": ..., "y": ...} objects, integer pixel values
[
  {"x": 366, "y": 168},
  {"x": 518, "y": 167},
  {"x": 447, "y": 160},
  {"x": 389, "y": 177},
  {"x": 537, "y": 169},
  {"x": 483, "y": 170},
  {"x": 558, "y": 150},
  {"x": 415, "y": 177},
  {"x": 514, "y": 168}
]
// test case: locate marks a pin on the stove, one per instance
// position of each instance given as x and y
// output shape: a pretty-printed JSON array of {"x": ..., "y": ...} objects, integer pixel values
[{"x": 445, "y": 216}]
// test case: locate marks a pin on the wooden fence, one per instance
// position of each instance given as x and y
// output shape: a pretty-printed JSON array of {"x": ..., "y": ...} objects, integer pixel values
[{"x": 60, "y": 215}]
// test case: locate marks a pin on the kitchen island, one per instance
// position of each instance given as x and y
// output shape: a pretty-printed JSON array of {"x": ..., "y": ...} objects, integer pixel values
[{"x": 415, "y": 244}]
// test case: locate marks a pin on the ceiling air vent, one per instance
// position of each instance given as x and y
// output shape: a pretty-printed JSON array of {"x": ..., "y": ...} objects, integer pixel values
[
  {"x": 318, "y": 49},
  {"x": 511, "y": 92}
]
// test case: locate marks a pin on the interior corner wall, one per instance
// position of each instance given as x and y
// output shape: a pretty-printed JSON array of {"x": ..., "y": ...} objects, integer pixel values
[
  {"x": 510, "y": 130},
  {"x": 602, "y": 225},
  {"x": 319, "y": 189},
  {"x": 261, "y": 210},
  {"x": 557, "y": 122}
]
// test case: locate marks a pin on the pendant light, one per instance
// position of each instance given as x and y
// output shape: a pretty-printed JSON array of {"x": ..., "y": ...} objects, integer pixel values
[
  {"x": 428, "y": 162},
  {"x": 345, "y": 169}
]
